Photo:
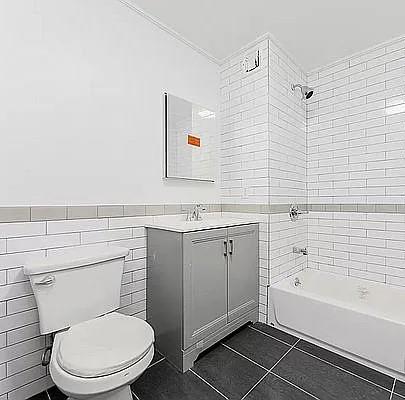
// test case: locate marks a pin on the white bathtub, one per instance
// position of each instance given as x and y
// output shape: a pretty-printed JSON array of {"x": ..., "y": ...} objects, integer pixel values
[{"x": 362, "y": 318}]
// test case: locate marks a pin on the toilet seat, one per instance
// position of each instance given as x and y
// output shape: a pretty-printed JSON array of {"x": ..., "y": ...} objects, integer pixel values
[
  {"x": 104, "y": 346},
  {"x": 85, "y": 388}
]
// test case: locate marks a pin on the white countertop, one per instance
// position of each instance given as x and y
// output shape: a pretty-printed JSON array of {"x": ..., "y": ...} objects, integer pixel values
[{"x": 179, "y": 224}]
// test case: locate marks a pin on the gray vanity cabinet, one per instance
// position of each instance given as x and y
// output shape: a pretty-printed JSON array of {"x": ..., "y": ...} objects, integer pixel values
[
  {"x": 242, "y": 270},
  {"x": 201, "y": 286},
  {"x": 205, "y": 281}
]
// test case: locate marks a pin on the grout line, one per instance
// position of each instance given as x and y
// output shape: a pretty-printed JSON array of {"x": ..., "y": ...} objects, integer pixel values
[
  {"x": 268, "y": 335},
  {"x": 261, "y": 366},
  {"x": 200, "y": 377},
  {"x": 247, "y": 358},
  {"x": 133, "y": 394},
  {"x": 345, "y": 370},
  {"x": 291, "y": 348},
  {"x": 393, "y": 386},
  {"x": 256, "y": 384},
  {"x": 48, "y": 395},
  {"x": 294, "y": 385}
]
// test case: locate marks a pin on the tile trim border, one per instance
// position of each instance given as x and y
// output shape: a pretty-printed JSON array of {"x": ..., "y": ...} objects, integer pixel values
[
  {"x": 359, "y": 207},
  {"x": 57, "y": 213},
  {"x": 319, "y": 207}
]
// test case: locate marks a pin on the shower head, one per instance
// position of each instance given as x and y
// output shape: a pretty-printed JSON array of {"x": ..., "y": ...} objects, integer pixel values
[{"x": 306, "y": 91}]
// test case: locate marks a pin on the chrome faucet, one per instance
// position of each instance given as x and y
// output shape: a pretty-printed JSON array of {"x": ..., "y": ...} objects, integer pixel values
[{"x": 195, "y": 213}]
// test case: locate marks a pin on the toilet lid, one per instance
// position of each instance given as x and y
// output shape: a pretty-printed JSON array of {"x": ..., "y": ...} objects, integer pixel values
[{"x": 104, "y": 345}]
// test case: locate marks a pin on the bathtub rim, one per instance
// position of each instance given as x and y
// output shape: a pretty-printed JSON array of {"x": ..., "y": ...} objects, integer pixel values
[{"x": 284, "y": 285}]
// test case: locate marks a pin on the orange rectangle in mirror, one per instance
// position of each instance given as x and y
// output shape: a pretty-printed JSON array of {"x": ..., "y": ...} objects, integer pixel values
[{"x": 193, "y": 141}]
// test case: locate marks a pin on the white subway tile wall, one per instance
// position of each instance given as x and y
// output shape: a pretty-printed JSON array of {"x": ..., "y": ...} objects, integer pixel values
[
  {"x": 287, "y": 130},
  {"x": 245, "y": 127},
  {"x": 287, "y": 164},
  {"x": 356, "y": 154},
  {"x": 21, "y": 345},
  {"x": 284, "y": 235},
  {"x": 356, "y": 129},
  {"x": 364, "y": 245}
]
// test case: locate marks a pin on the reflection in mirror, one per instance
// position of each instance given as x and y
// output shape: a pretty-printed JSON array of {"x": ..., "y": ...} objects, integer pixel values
[{"x": 190, "y": 140}]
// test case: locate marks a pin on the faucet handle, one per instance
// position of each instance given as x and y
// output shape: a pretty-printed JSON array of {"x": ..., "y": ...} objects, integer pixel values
[{"x": 189, "y": 215}]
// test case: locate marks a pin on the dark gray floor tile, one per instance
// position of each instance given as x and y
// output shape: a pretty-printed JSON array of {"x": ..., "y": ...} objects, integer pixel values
[
  {"x": 39, "y": 396},
  {"x": 349, "y": 365},
  {"x": 326, "y": 381},
  {"x": 230, "y": 373},
  {"x": 399, "y": 388},
  {"x": 163, "y": 382},
  {"x": 397, "y": 397},
  {"x": 285, "y": 337},
  {"x": 56, "y": 394},
  {"x": 273, "y": 388},
  {"x": 260, "y": 348}
]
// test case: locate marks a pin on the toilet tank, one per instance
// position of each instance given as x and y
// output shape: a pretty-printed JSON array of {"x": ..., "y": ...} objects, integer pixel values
[{"x": 78, "y": 285}]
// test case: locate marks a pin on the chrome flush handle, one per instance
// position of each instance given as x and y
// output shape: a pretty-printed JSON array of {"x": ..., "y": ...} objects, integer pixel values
[{"x": 46, "y": 281}]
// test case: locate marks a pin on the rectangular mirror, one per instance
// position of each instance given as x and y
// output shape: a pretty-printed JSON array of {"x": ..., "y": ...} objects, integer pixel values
[{"x": 190, "y": 139}]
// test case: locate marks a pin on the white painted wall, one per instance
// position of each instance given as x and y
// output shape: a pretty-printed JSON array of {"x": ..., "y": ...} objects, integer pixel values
[{"x": 81, "y": 110}]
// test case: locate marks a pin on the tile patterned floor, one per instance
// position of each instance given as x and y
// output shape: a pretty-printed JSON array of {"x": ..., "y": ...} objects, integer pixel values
[{"x": 260, "y": 362}]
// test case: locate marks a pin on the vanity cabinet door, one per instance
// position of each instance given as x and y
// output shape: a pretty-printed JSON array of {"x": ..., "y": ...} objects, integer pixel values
[
  {"x": 243, "y": 272},
  {"x": 205, "y": 284}
]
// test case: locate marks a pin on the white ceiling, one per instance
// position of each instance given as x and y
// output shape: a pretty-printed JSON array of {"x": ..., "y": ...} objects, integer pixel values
[{"x": 315, "y": 32}]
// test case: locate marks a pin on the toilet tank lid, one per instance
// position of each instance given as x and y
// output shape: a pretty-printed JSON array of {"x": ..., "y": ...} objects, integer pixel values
[{"x": 74, "y": 258}]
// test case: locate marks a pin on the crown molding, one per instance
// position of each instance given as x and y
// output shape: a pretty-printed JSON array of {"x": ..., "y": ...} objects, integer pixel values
[
  {"x": 131, "y": 4},
  {"x": 134, "y": 7}
]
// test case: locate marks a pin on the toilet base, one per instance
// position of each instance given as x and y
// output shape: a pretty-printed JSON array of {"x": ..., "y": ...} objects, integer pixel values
[{"x": 123, "y": 393}]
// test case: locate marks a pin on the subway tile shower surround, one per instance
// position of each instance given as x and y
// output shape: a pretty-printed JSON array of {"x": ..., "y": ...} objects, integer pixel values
[
  {"x": 356, "y": 156},
  {"x": 356, "y": 123}
]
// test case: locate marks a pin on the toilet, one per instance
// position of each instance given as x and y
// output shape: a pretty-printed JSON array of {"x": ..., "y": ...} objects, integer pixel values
[{"x": 97, "y": 352}]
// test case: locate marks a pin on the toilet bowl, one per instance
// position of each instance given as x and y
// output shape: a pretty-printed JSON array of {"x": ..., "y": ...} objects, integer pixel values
[
  {"x": 97, "y": 352},
  {"x": 100, "y": 358}
]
